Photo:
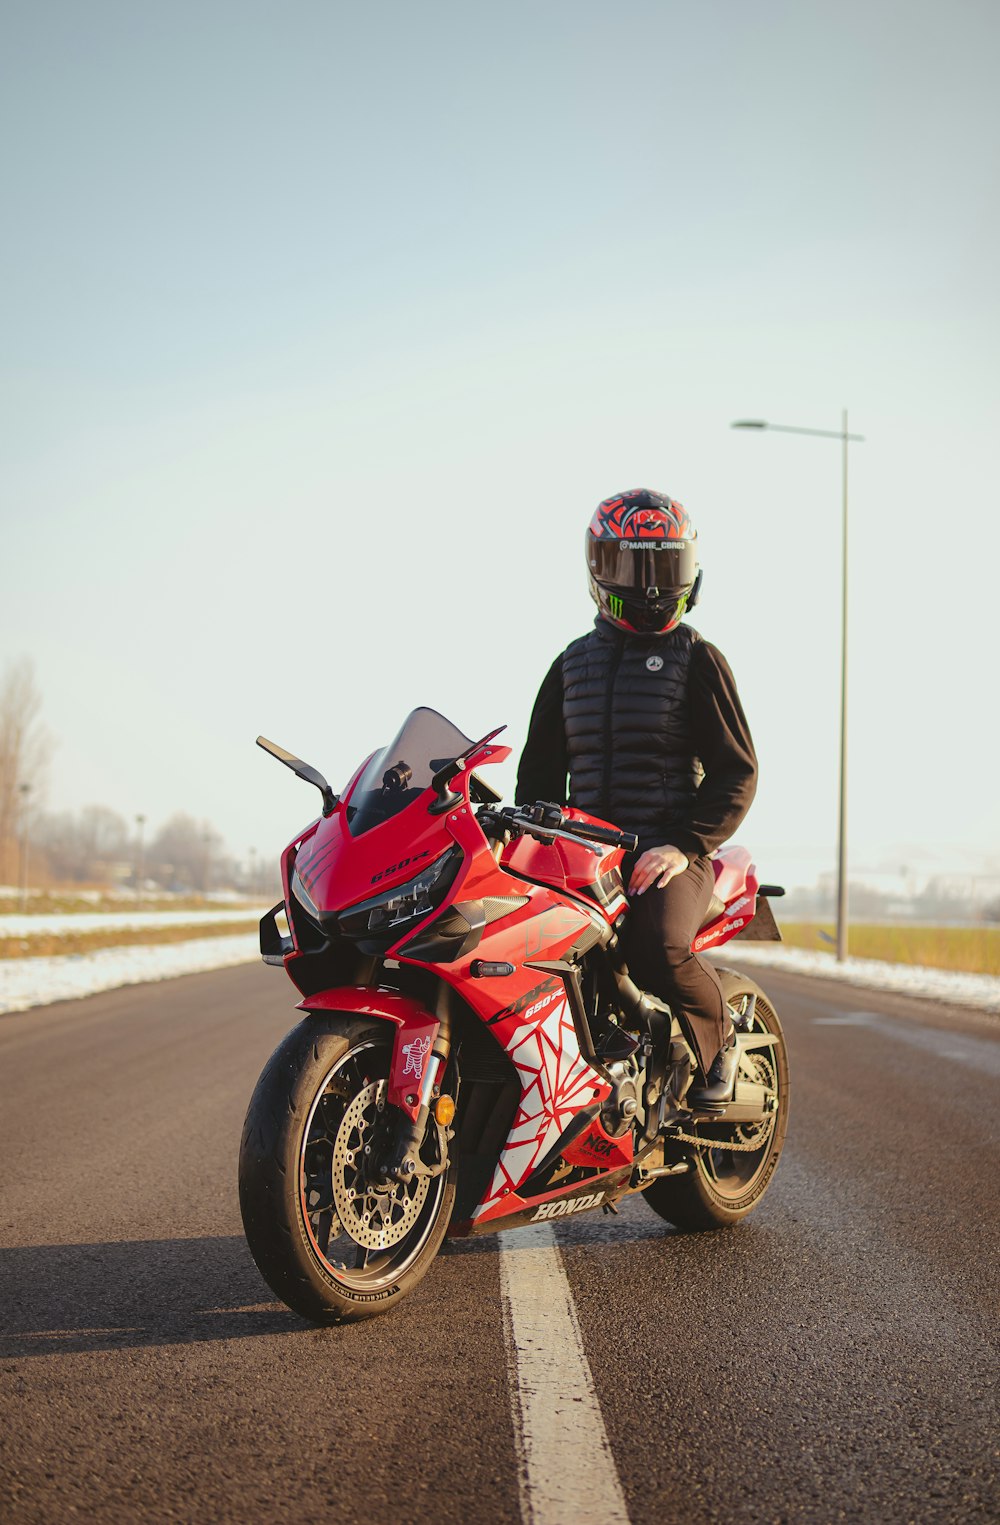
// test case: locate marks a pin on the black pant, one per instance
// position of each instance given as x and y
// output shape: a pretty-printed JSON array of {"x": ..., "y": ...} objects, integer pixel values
[{"x": 659, "y": 929}]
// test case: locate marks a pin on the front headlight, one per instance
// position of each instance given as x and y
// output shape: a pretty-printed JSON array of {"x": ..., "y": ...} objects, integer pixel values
[{"x": 377, "y": 923}]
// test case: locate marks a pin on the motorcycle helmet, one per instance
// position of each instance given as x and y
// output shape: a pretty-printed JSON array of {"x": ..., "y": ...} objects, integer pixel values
[{"x": 642, "y": 561}]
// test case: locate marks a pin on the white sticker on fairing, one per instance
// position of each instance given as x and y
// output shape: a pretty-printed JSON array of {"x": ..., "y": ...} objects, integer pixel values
[
  {"x": 566, "y": 1206},
  {"x": 414, "y": 1054}
]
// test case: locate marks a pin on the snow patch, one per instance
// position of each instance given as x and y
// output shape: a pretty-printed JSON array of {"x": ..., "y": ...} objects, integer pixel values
[
  {"x": 26, "y": 982},
  {"x": 979, "y": 990}
]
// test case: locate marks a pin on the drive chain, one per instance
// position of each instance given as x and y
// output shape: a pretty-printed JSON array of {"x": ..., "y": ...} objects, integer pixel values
[
  {"x": 763, "y": 1073},
  {"x": 715, "y": 1143}
]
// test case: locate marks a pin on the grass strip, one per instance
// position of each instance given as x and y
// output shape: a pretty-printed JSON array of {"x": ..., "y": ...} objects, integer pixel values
[
  {"x": 51, "y": 944},
  {"x": 60, "y": 903},
  {"x": 970, "y": 950}
]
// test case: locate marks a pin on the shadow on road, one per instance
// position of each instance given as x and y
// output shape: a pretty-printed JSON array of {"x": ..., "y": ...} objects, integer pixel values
[
  {"x": 64, "y": 1298},
  {"x": 59, "y": 1299}
]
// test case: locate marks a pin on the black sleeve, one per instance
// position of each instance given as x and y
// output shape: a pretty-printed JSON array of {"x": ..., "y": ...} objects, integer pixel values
[
  {"x": 544, "y": 764},
  {"x": 723, "y": 743}
]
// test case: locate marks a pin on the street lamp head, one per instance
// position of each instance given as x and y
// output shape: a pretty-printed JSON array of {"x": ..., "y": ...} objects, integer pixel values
[{"x": 749, "y": 423}]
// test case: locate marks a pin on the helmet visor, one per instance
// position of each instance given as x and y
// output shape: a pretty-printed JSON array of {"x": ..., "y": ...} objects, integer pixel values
[{"x": 637, "y": 566}]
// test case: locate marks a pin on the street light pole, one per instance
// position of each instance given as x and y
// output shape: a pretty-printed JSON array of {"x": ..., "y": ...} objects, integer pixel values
[
  {"x": 25, "y": 791},
  {"x": 842, "y": 922},
  {"x": 140, "y": 822},
  {"x": 844, "y": 437}
]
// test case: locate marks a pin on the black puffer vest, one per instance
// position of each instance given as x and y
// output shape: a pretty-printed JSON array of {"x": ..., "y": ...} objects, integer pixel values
[{"x": 626, "y": 712}]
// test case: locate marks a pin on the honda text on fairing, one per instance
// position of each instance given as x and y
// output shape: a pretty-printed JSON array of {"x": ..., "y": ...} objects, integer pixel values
[{"x": 474, "y": 1055}]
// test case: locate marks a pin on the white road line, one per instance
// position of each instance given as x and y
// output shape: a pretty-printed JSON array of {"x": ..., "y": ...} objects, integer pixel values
[{"x": 566, "y": 1470}]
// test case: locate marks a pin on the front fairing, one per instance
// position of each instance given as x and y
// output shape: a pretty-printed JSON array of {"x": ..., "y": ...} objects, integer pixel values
[
  {"x": 367, "y": 847},
  {"x": 336, "y": 869}
]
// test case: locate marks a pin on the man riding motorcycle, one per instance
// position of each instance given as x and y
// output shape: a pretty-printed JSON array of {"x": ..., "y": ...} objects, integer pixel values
[{"x": 644, "y": 718}]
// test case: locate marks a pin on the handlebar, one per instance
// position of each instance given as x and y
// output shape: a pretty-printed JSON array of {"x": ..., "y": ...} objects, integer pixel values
[
  {"x": 546, "y": 821},
  {"x": 609, "y": 834}
]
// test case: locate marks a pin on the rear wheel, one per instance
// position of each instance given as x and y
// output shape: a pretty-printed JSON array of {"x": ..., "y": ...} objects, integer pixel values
[
  {"x": 331, "y": 1239},
  {"x": 722, "y": 1185}
]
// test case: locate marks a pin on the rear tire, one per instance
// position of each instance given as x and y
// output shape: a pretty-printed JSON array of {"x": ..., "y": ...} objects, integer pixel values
[
  {"x": 317, "y": 1098},
  {"x": 721, "y": 1186}
]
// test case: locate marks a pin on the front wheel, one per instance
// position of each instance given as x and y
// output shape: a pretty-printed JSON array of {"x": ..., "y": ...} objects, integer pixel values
[
  {"x": 333, "y": 1241},
  {"x": 722, "y": 1185}
]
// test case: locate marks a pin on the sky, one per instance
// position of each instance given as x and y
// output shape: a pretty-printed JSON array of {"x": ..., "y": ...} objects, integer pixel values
[{"x": 325, "y": 328}]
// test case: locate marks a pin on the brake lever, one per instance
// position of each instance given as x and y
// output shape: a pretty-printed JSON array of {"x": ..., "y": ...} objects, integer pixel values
[{"x": 541, "y": 833}]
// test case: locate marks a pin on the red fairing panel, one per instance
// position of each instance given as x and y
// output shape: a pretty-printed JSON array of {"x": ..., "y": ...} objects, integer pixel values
[
  {"x": 736, "y": 883},
  {"x": 581, "y": 868},
  {"x": 336, "y": 874},
  {"x": 416, "y": 1031},
  {"x": 287, "y": 860},
  {"x": 731, "y": 865},
  {"x": 598, "y": 1150}
]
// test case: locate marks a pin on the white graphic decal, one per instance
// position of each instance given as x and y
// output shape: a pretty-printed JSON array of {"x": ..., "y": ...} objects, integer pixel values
[
  {"x": 654, "y": 663},
  {"x": 556, "y": 1081},
  {"x": 415, "y": 1053}
]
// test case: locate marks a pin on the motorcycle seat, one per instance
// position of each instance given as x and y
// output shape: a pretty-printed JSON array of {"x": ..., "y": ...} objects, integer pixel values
[{"x": 715, "y": 908}]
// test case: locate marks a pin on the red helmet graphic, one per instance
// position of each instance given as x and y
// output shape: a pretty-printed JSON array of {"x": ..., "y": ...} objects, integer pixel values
[{"x": 642, "y": 561}]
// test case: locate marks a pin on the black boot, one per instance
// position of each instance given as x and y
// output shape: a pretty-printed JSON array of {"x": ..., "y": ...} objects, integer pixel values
[{"x": 720, "y": 1084}]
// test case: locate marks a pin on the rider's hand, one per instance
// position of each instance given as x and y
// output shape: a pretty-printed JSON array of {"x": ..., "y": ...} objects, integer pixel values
[{"x": 657, "y": 866}]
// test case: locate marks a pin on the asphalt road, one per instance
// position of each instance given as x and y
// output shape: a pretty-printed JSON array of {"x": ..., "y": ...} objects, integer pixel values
[{"x": 832, "y": 1358}]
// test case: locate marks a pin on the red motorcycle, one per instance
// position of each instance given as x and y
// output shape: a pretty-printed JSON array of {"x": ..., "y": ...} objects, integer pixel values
[{"x": 474, "y": 1054}]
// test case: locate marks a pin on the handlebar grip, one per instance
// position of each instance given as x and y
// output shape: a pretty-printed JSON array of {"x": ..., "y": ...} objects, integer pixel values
[{"x": 609, "y": 834}]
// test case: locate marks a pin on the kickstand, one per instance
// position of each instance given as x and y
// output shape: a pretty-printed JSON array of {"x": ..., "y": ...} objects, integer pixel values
[{"x": 609, "y": 1207}]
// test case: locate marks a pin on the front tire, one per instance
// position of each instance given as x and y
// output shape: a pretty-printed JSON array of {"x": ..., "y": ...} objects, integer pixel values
[
  {"x": 722, "y": 1186},
  {"x": 331, "y": 1244}
]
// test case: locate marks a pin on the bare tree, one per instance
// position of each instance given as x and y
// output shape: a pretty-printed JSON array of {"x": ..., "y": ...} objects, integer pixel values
[
  {"x": 24, "y": 750},
  {"x": 85, "y": 846},
  {"x": 182, "y": 854},
  {"x": 105, "y": 838}
]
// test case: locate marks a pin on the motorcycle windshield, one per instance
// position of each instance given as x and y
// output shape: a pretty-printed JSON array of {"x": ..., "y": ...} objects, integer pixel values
[{"x": 400, "y": 773}]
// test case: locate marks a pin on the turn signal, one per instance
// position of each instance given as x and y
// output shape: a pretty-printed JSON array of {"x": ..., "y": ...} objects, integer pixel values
[{"x": 444, "y": 1110}]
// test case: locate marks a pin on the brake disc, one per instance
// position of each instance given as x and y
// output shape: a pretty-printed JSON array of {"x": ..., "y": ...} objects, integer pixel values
[{"x": 377, "y": 1215}]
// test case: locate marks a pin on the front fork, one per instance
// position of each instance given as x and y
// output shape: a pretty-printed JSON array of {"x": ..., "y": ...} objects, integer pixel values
[{"x": 402, "y": 1161}]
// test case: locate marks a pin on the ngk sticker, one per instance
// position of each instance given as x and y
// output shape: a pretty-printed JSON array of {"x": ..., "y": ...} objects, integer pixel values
[{"x": 566, "y": 1206}]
